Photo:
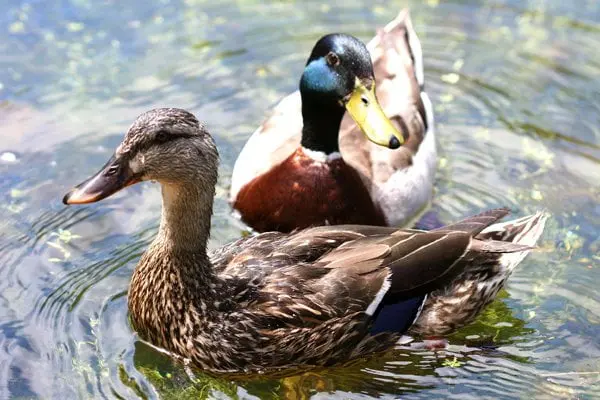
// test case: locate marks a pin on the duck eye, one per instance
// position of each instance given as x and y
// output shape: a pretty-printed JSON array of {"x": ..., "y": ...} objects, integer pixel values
[
  {"x": 112, "y": 169},
  {"x": 332, "y": 59},
  {"x": 162, "y": 136}
]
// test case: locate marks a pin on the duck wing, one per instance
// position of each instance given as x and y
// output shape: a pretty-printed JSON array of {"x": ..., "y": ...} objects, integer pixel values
[
  {"x": 400, "y": 181},
  {"x": 398, "y": 65},
  {"x": 367, "y": 276},
  {"x": 330, "y": 272},
  {"x": 414, "y": 262},
  {"x": 303, "y": 246}
]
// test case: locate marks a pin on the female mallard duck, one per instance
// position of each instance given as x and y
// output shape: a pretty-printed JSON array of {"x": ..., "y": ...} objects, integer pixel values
[
  {"x": 298, "y": 172},
  {"x": 314, "y": 297}
]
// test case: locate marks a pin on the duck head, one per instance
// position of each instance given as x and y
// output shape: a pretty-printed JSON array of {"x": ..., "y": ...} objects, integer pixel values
[
  {"x": 339, "y": 77},
  {"x": 168, "y": 145}
]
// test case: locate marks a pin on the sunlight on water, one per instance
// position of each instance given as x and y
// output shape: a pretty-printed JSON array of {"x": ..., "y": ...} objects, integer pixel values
[{"x": 517, "y": 100}]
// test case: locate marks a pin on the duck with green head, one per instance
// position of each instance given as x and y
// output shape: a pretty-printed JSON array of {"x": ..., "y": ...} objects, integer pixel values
[{"x": 308, "y": 165}]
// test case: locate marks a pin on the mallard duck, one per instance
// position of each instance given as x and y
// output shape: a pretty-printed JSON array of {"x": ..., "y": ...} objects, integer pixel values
[
  {"x": 308, "y": 166},
  {"x": 314, "y": 297}
]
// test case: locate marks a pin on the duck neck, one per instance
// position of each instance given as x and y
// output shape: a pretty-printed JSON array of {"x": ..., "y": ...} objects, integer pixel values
[
  {"x": 321, "y": 128},
  {"x": 174, "y": 289},
  {"x": 186, "y": 215}
]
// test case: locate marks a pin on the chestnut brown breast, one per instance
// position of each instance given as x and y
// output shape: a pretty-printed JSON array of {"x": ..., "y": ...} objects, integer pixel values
[{"x": 302, "y": 192}]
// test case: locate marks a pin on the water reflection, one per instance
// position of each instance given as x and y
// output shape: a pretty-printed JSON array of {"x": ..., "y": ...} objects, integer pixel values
[{"x": 515, "y": 91}]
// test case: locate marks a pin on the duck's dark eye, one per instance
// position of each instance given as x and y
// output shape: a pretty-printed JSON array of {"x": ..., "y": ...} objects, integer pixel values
[
  {"x": 332, "y": 59},
  {"x": 112, "y": 169},
  {"x": 162, "y": 136}
]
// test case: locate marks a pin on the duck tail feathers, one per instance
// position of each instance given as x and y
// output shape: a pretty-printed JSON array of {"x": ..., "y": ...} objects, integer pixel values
[
  {"x": 477, "y": 223},
  {"x": 523, "y": 231},
  {"x": 402, "y": 22}
]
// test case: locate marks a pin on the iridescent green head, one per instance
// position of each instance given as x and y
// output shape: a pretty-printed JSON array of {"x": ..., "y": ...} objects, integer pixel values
[{"x": 339, "y": 77}]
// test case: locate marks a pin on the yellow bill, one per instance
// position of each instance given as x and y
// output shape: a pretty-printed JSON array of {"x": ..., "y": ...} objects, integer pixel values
[{"x": 368, "y": 114}]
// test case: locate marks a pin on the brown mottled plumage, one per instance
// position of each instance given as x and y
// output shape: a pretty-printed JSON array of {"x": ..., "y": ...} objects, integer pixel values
[{"x": 314, "y": 297}]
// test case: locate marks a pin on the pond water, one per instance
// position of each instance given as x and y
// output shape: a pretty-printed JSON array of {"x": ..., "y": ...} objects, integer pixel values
[{"x": 517, "y": 97}]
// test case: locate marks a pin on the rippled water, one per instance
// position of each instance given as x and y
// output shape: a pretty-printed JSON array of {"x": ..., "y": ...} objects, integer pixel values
[{"x": 516, "y": 89}]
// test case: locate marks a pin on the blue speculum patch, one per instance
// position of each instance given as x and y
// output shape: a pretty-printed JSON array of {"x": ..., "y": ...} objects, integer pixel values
[{"x": 397, "y": 317}]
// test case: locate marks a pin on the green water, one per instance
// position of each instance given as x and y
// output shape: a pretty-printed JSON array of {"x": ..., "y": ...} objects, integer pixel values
[{"x": 516, "y": 90}]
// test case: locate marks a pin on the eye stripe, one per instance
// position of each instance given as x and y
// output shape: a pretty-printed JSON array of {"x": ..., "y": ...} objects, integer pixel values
[{"x": 163, "y": 136}]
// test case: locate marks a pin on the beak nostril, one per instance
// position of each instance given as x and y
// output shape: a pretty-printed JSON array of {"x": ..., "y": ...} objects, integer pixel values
[
  {"x": 364, "y": 100},
  {"x": 394, "y": 143}
]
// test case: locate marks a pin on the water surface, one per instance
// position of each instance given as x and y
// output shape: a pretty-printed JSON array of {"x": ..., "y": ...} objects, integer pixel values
[{"x": 517, "y": 98}]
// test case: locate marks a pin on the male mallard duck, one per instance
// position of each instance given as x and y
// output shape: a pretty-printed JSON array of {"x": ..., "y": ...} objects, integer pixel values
[
  {"x": 298, "y": 172},
  {"x": 314, "y": 297}
]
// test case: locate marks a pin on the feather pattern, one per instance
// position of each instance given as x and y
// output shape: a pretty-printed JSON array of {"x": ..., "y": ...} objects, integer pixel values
[
  {"x": 310, "y": 298},
  {"x": 496, "y": 250}
]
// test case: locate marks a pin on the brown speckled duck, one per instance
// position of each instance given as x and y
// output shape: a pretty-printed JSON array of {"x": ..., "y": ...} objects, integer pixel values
[
  {"x": 308, "y": 165},
  {"x": 315, "y": 297}
]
